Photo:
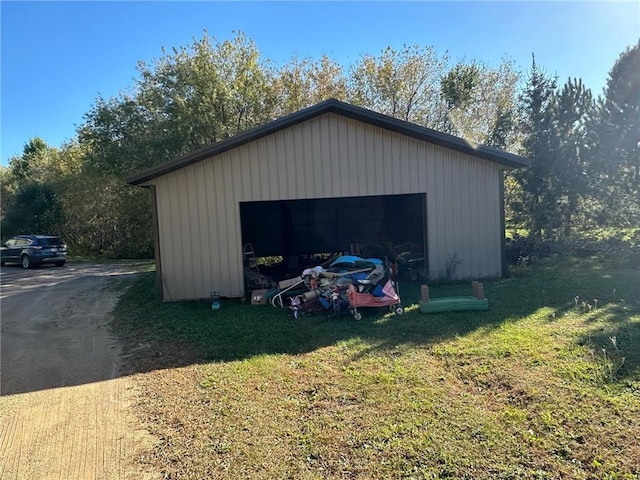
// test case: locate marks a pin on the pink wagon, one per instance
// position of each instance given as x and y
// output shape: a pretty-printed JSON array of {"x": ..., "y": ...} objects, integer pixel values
[{"x": 386, "y": 297}]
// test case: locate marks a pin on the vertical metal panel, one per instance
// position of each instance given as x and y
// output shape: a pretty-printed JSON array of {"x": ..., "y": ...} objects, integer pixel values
[
  {"x": 220, "y": 218},
  {"x": 327, "y": 156},
  {"x": 209, "y": 238}
]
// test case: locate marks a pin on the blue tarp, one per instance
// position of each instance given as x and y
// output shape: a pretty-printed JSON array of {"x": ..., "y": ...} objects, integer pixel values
[{"x": 351, "y": 261}]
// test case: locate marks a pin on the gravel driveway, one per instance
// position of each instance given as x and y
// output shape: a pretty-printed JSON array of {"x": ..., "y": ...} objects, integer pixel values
[{"x": 65, "y": 411}]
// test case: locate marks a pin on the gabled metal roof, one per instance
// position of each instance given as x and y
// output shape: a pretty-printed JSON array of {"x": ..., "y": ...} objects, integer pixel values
[{"x": 339, "y": 108}]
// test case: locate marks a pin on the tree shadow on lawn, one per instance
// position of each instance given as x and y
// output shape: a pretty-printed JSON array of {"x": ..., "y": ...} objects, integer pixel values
[
  {"x": 614, "y": 338},
  {"x": 158, "y": 335}
]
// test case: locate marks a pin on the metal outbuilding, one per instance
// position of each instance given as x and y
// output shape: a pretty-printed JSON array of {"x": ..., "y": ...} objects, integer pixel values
[{"x": 325, "y": 177}]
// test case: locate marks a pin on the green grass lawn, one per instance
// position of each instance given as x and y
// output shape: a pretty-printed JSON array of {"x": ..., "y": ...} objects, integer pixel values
[{"x": 546, "y": 384}]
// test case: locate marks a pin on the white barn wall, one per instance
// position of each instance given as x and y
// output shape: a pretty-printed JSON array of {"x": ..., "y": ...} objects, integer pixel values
[{"x": 326, "y": 156}]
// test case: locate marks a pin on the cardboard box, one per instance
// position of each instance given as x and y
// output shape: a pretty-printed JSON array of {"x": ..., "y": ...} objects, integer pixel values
[{"x": 259, "y": 297}]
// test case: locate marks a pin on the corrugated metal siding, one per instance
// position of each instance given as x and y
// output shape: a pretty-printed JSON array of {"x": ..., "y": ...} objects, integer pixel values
[{"x": 328, "y": 156}]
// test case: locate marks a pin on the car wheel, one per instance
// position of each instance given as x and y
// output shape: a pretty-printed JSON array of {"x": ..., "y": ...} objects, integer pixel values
[
  {"x": 26, "y": 261},
  {"x": 60, "y": 264}
]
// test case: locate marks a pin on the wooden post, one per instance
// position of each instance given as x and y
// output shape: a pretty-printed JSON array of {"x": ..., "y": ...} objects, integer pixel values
[
  {"x": 478, "y": 290},
  {"x": 424, "y": 293}
]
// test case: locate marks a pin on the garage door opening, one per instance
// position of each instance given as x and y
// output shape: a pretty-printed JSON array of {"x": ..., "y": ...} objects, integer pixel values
[{"x": 299, "y": 232}]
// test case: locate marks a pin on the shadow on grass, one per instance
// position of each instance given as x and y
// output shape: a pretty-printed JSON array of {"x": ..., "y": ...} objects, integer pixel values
[{"x": 158, "y": 335}]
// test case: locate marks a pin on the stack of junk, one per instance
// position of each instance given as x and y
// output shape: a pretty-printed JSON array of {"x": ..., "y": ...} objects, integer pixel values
[{"x": 345, "y": 285}]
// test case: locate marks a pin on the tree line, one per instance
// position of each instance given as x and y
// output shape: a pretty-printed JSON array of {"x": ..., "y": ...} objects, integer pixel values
[{"x": 584, "y": 149}]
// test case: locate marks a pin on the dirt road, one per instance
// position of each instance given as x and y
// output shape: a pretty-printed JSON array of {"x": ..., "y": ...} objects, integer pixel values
[{"x": 65, "y": 410}]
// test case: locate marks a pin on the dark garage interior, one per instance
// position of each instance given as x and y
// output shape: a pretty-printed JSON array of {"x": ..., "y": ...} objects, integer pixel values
[{"x": 382, "y": 226}]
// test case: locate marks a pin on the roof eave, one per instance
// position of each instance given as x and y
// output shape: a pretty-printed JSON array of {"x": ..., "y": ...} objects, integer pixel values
[
  {"x": 227, "y": 144},
  {"x": 433, "y": 136}
]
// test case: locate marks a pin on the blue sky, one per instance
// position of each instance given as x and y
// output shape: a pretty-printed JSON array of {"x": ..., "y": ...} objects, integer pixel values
[{"x": 57, "y": 57}]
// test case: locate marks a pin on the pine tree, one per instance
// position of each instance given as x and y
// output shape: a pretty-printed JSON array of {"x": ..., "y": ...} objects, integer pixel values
[
  {"x": 616, "y": 150},
  {"x": 573, "y": 106},
  {"x": 537, "y": 207}
]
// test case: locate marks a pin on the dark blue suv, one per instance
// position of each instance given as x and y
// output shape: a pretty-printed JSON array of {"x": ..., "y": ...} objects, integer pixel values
[{"x": 32, "y": 250}]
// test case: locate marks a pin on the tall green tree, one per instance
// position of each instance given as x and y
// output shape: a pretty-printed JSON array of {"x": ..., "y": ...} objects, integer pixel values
[
  {"x": 572, "y": 170},
  {"x": 30, "y": 202},
  {"x": 105, "y": 217},
  {"x": 117, "y": 137},
  {"x": 187, "y": 99},
  {"x": 35, "y": 209},
  {"x": 470, "y": 100},
  {"x": 404, "y": 84},
  {"x": 536, "y": 207},
  {"x": 38, "y": 163},
  {"x": 616, "y": 150},
  {"x": 209, "y": 91},
  {"x": 457, "y": 91},
  {"x": 302, "y": 83},
  {"x": 32, "y": 164},
  {"x": 481, "y": 103}
]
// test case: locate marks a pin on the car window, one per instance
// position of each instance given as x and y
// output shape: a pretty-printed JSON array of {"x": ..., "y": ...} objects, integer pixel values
[
  {"x": 53, "y": 241},
  {"x": 21, "y": 242},
  {"x": 11, "y": 242}
]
